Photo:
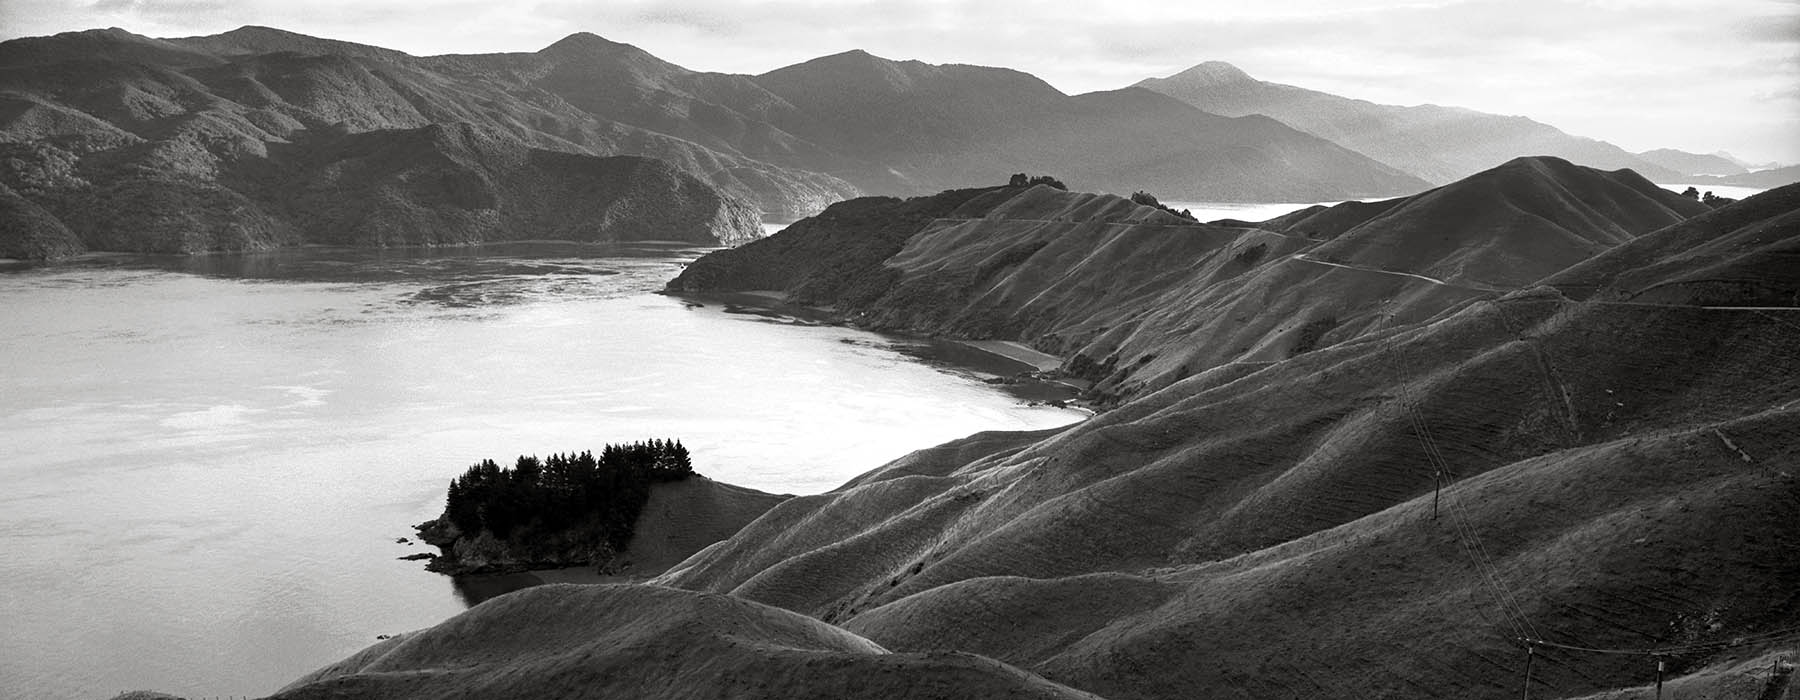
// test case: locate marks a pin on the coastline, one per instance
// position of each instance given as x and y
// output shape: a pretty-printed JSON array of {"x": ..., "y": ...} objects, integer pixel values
[
  {"x": 1014, "y": 350},
  {"x": 474, "y": 589},
  {"x": 1016, "y": 368}
]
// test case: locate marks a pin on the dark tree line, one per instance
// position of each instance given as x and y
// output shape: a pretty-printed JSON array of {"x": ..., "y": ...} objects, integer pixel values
[
  {"x": 1709, "y": 199},
  {"x": 1149, "y": 200},
  {"x": 564, "y": 491},
  {"x": 1023, "y": 180}
]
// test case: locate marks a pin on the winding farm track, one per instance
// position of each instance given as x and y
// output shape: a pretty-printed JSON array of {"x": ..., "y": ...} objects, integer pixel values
[{"x": 1303, "y": 257}]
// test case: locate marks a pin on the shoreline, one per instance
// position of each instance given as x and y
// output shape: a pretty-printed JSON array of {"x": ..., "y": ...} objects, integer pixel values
[
  {"x": 1017, "y": 351},
  {"x": 474, "y": 589},
  {"x": 1014, "y": 367}
]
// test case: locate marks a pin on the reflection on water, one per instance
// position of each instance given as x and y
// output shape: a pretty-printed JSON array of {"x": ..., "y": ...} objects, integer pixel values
[
  {"x": 209, "y": 459},
  {"x": 1252, "y": 212}
]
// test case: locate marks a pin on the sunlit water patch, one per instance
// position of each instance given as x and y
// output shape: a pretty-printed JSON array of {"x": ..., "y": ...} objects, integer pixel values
[
  {"x": 1241, "y": 211},
  {"x": 209, "y": 459}
]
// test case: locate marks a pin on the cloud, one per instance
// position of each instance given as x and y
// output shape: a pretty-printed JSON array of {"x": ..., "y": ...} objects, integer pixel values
[{"x": 1773, "y": 29}]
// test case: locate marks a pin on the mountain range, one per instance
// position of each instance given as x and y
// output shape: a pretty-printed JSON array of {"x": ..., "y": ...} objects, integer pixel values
[
  {"x": 226, "y": 127},
  {"x": 1435, "y": 143},
  {"x": 116, "y": 141},
  {"x": 1545, "y": 444}
]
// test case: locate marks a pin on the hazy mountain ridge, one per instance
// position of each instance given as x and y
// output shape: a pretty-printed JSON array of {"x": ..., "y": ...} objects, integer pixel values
[
  {"x": 100, "y": 89},
  {"x": 1616, "y": 476},
  {"x": 922, "y": 128},
  {"x": 779, "y": 139},
  {"x": 1685, "y": 163},
  {"x": 1137, "y": 299},
  {"x": 1438, "y": 144},
  {"x": 206, "y": 184},
  {"x": 1763, "y": 179}
]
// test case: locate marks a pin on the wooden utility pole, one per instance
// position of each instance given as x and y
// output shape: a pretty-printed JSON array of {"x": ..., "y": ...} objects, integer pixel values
[{"x": 1437, "y": 487}]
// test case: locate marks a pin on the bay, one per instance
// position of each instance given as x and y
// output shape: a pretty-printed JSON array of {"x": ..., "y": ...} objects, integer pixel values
[{"x": 208, "y": 460}]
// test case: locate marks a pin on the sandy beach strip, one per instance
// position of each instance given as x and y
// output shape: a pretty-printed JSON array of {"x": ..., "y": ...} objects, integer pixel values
[{"x": 1021, "y": 352}]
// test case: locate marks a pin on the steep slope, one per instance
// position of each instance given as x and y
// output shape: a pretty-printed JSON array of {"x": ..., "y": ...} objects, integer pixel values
[
  {"x": 716, "y": 125},
  {"x": 920, "y": 128},
  {"x": 1137, "y": 299},
  {"x": 1510, "y": 225},
  {"x": 204, "y": 184},
  {"x": 684, "y": 517},
  {"x": 27, "y": 232},
  {"x": 1742, "y": 255},
  {"x": 568, "y": 641},
  {"x": 105, "y": 89},
  {"x": 1437, "y": 144},
  {"x": 1617, "y": 476}
]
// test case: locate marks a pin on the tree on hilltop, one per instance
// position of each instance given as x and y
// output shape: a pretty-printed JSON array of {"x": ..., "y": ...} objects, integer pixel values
[{"x": 1024, "y": 180}]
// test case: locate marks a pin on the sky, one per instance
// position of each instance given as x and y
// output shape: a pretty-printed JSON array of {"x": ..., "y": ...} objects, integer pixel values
[{"x": 1698, "y": 75}]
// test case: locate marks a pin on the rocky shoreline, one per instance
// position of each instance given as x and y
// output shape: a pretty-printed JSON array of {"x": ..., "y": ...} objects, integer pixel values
[{"x": 461, "y": 555}]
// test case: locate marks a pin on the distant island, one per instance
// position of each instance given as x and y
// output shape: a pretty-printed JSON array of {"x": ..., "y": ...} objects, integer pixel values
[{"x": 561, "y": 511}]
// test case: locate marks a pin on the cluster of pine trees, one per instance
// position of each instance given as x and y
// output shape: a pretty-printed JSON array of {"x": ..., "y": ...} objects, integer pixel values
[
  {"x": 1024, "y": 180},
  {"x": 566, "y": 491}
]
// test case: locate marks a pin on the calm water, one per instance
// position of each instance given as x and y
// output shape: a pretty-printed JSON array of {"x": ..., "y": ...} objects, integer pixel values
[
  {"x": 208, "y": 460},
  {"x": 1242, "y": 211}
]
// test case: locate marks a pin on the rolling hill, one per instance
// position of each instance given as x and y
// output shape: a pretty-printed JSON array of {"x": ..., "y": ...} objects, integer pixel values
[
  {"x": 1137, "y": 298},
  {"x": 1435, "y": 143},
  {"x": 609, "y": 641},
  {"x": 1694, "y": 163},
  {"x": 1620, "y": 484}
]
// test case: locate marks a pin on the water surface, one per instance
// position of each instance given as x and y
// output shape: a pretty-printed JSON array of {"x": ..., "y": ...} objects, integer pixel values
[{"x": 209, "y": 459}]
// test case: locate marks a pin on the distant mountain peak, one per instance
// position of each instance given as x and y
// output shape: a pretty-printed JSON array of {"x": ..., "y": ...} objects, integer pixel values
[
  {"x": 582, "y": 41},
  {"x": 260, "y": 30},
  {"x": 853, "y": 56},
  {"x": 1212, "y": 73}
]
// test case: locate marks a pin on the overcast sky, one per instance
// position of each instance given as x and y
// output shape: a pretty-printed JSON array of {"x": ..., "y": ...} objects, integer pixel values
[{"x": 1699, "y": 75}]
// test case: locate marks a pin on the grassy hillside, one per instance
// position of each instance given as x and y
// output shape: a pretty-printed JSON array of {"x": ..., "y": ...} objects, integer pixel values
[
  {"x": 1617, "y": 476},
  {"x": 603, "y": 641},
  {"x": 1136, "y": 298},
  {"x": 1589, "y": 481},
  {"x": 260, "y": 139}
]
